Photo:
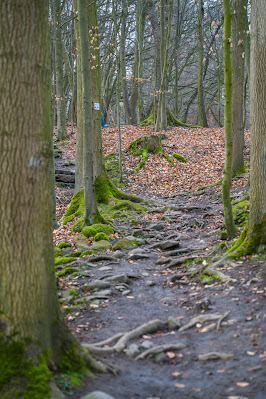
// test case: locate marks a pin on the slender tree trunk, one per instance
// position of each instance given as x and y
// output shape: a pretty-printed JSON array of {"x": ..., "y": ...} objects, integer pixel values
[
  {"x": 238, "y": 64},
  {"x": 117, "y": 94},
  {"x": 28, "y": 298},
  {"x": 129, "y": 116},
  {"x": 79, "y": 179},
  {"x": 228, "y": 215},
  {"x": 201, "y": 106},
  {"x": 60, "y": 95},
  {"x": 85, "y": 53}
]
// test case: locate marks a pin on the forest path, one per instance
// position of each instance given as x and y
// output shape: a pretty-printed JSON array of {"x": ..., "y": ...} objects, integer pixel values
[{"x": 146, "y": 285}]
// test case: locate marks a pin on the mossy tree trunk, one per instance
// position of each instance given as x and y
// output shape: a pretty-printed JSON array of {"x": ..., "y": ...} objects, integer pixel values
[
  {"x": 238, "y": 63},
  {"x": 227, "y": 179},
  {"x": 60, "y": 95},
  {"x": 98, "y": 165},
  {"x": 28, "y": 297},
  {"x": 257, "y": 218},
  {"x": 85, "y": 54}
]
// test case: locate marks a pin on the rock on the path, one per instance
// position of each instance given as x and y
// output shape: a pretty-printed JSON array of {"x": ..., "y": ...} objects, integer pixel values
[
  {"x": 102, "y": 245},
  {"x": 156, "y": 226},
  {"x": 150, "y": 283},
  {"x": 119, "y": 278},
  {"x": 138, "y": 253},
  {"x": 97, "y": 395},
  {"x": 146, "y": 344},
  {"x": 132, "y": 350},
  {"x": 55, "y": 392},
  {"x": 104, "y": 294},
  {"x": 166, "y": 244},
  {"x": 98, "y": 284}
]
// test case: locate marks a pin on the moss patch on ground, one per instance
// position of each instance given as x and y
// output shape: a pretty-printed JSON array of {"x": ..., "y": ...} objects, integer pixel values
[{"x": 179, "y": 157}]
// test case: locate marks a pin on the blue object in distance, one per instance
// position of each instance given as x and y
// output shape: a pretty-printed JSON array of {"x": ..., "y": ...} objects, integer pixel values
[{"x": 103, "y": 123}]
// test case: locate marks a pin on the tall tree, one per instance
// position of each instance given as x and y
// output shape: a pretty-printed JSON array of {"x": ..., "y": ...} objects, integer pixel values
[
  {"x": 227, "y": 179},
  {"x": 238, "y": 63},
  {"x": 29, "y": 309},
  {"x": 201, "y": 105},
  {"x": 256, "y": 234},
  {"x": 85, "y": 54},
  {"x": 60, "y": 95}
]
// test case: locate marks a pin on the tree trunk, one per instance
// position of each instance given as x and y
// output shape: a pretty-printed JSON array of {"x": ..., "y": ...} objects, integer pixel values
[
  {"x": 228, "y": 216},
  {"x": 28, "y": 297},
  {"x": 85, "y": 54},
  {"x": 117, "y": 94},
  {"x": 257, "y": 218},
  {"x": 60, "y": 95},
  {"x": 98, "y": 165},
  {"x": 129, "y": 116},
  {"x": 238, "y": 64},
  {"x": 201, "y": 106}
]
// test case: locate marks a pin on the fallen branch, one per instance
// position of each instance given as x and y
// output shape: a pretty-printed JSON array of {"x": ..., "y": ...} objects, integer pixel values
[{"x": 159, "y": 349}]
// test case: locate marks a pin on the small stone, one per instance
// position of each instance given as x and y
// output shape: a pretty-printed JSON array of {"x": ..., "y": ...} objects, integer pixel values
[
  {"x": 150, "y": 283},
  {"x": 132, "y": 350},
  {"x": 161, "y": 357},
  {"x": 104, "y": 294},
  {"x": 146, "y": 344},
  {"x": 102, "y": 245},
  {"x": 98, "y": 284},
  {"x": 118, "y": 254},
  {"x": 119, "y": 278},
  {"x": 156, "y": 226},
  {"x": 126, "y": 292},
  {"x": 55, "y": 392},
  {"x": 97, "y": 395}
]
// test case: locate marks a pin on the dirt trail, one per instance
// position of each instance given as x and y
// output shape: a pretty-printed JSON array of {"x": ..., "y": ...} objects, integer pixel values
[{"x": 150, "y": 289}]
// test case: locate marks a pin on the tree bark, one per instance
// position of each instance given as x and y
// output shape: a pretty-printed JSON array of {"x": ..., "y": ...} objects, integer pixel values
[
  {"x": 201, "y": 106},
  {"x": 86, "y": 65},
  {"x": 228, "y": 215},
  {"x": 238, "y": 64},
  {"x": 258, "y": 123},
  {"x": 60, "y": 95},
  {"x": 28, "y": 296}
]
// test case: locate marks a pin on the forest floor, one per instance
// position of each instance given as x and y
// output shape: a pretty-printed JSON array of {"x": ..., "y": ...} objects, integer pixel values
[{"x": 193, "y": 335}]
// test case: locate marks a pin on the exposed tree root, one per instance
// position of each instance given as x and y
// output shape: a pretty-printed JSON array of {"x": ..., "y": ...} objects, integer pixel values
[
  {"x": 216, "y": 356},
  {"x": 159, "y": 349},
  {"x": 123, "y": 339},
  {"x": 203, "y": 319}
]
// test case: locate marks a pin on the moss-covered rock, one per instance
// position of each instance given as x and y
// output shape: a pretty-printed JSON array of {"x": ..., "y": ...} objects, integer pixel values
[
  {"x": 101, "y": 236},
  {"x": 179, "y": 157},
  {"x": 91, "y": 231},
  {"x": 64, "y": 259},
  {"x": 125, "y": 243},
  {"x": 66, "y": 271},
  {"x": 63, "y": 244},
  {"x": 102, "y": 245}
]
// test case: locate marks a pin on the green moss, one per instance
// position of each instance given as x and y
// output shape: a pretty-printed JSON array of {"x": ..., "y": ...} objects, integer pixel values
[
  {"x": 63, "y": 244},
  {"x": 78, "y": 225},
  {"x": 106, "y": 190},
  {"x": 73, "y": 292},
  {"x": 64, "y": 259},
  {"x": 19, "y": 377},
  {"x": 71, "y": 361},
  {"x": 169, "y": 159},
  {"x": 66, "y": 271},
  {"x": 102, "y": 245},
  {"x": 57, "y": 252},
  {"x": 179, "y": 157},
  {"x": 128, "y": 206},
  {"x": 125, "y": 243},
  {"x": 101, "y": 236},
  {"x": 76, "y": 207},
  {"x": 223, "y": 235},
  {"x": 149, "y": 121},
  {"x": 87, "y": 252},
  {"x": 91, "y": 231}
]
